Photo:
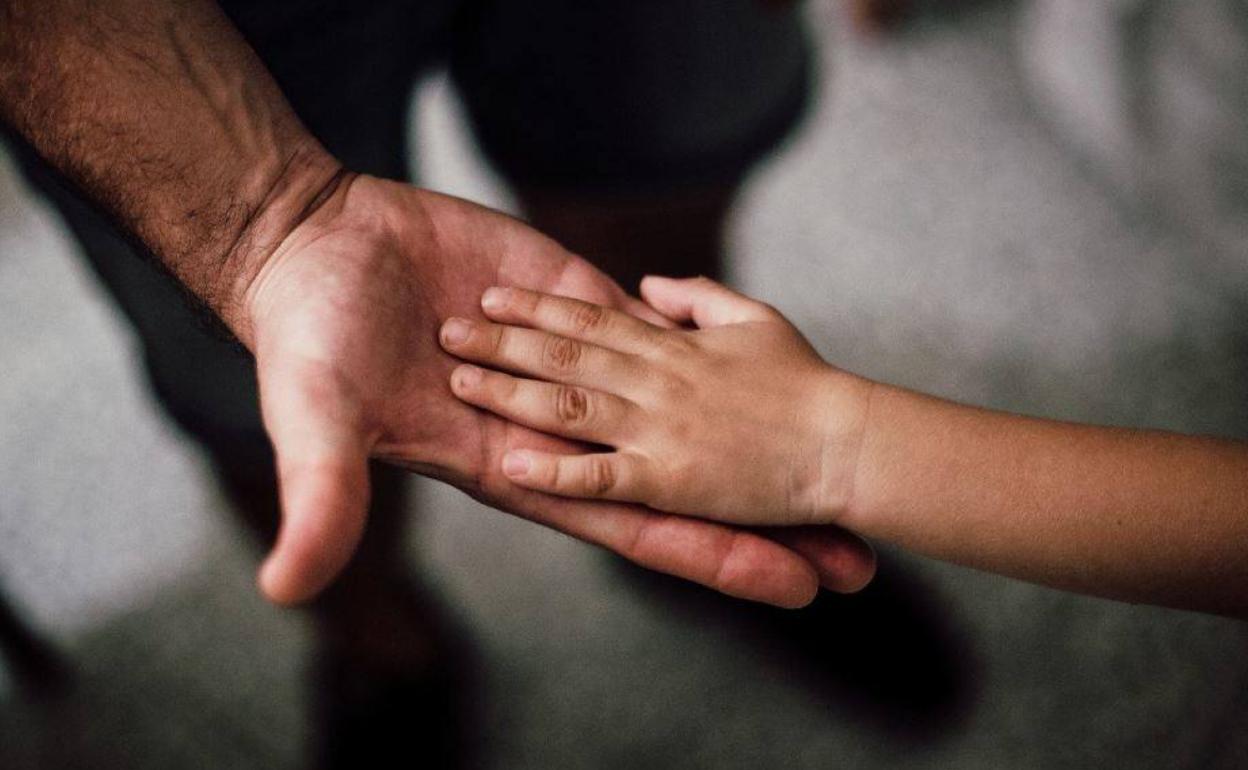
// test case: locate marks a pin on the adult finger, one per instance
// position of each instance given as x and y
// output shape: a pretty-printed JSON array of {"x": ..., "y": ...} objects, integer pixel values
[
  {"x": 845, "y": 562},
  {"x": 322, "y": 464},
  {"x": 732, "y": 561}
]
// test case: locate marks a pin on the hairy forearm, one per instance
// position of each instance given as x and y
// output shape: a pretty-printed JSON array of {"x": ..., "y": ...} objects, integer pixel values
[
  {"x": 1135, "y": 515},
  {"x": 163, "y": 115}
]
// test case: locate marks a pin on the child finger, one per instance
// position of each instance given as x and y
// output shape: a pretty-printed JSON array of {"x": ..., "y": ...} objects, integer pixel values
[
  {"x": 606, "y": 476},
  {"x": 702, "y": 301},
  {"x": 561, "y": 410},
  {"x": 538, "y": 354},
  {"x": 570, "y": 318}
]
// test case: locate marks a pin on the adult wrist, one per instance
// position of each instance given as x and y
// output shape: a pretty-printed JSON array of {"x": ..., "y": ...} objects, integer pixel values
[{"x": 286, "y": 194}]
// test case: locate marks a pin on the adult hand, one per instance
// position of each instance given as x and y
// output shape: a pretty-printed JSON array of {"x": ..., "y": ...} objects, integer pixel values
[{"x": 343, "y": 318}]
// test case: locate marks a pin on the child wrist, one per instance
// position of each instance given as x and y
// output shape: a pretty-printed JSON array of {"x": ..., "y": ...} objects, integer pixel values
[{"x": 845, "y": 423}]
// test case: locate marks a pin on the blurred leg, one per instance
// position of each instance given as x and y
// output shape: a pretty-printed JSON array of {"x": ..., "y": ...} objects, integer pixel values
[
  {"x": 874, "y": 16},
  {"x": 626, "y": 129},
  {"x": 679, "y": 235}
]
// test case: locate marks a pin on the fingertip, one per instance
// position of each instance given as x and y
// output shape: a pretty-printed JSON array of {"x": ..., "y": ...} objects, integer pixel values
[
  {"x": 849, "y": 568},
  {"x": 660, "y": 284},
  {"x": 754, "y": 570},
  {"x": 275, "y": 586},
  {"x": 798, "y": 593},
  {"x": 454, "y": 332},
  {"x": 801, "y": 596},
  {"x": 516, "y": 464},
  {"x": 658, "y": 293},
  {"x": 843, "y": 562},
  {"x": 324, "y": 511},
  {"x": 495, "y": 299},
  {"x": 864, "y": 576},
  {"x": 855, "y": 587},
  {"x": 466, "y": 378},
  {"x": 294, "y": 574},
  {"x": 653, "y": 280},
  {"x": 286, "y": 578}
]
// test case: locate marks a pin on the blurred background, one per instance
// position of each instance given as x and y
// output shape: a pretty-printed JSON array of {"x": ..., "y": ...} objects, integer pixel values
[{"x": 1039, "y": 206}]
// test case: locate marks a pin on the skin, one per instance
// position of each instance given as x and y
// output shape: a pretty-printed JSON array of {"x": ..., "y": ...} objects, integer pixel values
[
  {"x": 346, "y": 314},
  {"x": 336, "y": 282},
  {"x": 738, "y": 419}
]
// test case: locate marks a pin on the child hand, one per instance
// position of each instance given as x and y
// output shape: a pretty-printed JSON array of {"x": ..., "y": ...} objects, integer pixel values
[{"x": 738, "y": 420}]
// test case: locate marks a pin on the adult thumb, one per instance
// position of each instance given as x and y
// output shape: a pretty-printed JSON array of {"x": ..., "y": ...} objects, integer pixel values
[{"x": 322, "y": 469}]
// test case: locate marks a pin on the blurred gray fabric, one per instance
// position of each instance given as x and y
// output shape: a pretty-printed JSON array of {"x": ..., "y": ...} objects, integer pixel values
[
  {"x": 1037, "y": 206},
  {"x": 1154, "y": 94}
]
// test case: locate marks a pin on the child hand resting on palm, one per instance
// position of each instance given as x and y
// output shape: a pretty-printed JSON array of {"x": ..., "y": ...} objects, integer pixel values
[{"x": 735, "y": 417}]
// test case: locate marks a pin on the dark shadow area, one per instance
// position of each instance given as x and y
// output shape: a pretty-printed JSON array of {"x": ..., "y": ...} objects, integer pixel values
[
  {"x": 892, "y": 654},
  {"x": 889, "y": 17},
  {"x": 33, "y": 663},
  {"x": 954, "y": 10},
  {"x": 370, "y": 716},
  {"x": 205, "y": 680}
]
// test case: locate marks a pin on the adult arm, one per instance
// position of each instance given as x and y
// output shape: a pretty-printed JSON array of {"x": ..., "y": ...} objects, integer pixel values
[{"x": 163, "y": 115}]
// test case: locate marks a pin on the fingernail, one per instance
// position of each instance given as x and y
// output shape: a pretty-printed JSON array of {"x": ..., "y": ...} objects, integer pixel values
[
  {"x": 456, "y": 331},
  {"x": 468, "y": 377},
  {"x": 515, "y": 464},
  {"x": 495, "y": 298}
]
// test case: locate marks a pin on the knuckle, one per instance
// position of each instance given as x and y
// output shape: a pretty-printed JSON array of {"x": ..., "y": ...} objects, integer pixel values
[
  {"x": 561, "y": 354},
  {"x": 526, "y": 303},
  {"x": 672, "y": 388},
  {"x": 682, "y": 476},
  {"x": 503, "y": 388},
  {"x": 571, "y": 405},
  {"x": 680, "y": 430},
  {"x": 599, "y": 475},
  {"x": 675, "y": 345},
  {"x": 534, "y": 307},
  {"x": 496, "y": 340},
  {"x": 554, "y": 474},
  {"x": 585, "y": 318}
]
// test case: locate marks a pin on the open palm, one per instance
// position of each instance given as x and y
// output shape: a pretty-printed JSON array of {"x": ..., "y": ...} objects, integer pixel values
[{"x": 345, "y": 317}]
